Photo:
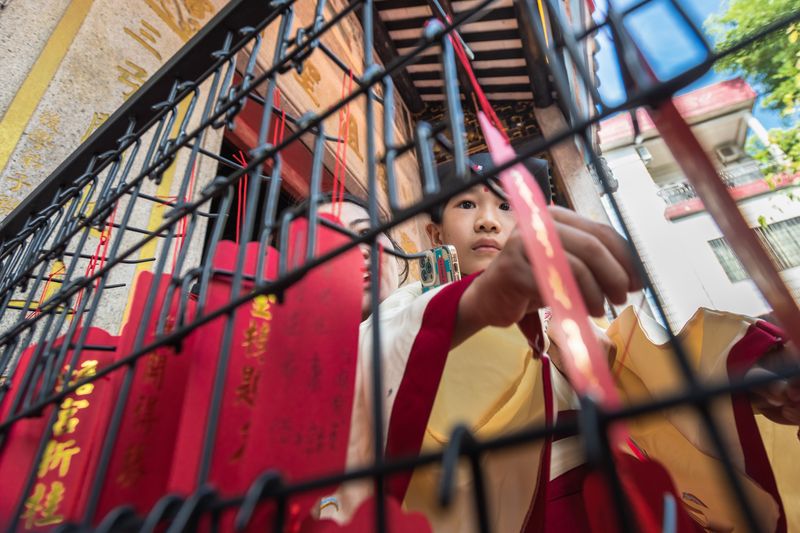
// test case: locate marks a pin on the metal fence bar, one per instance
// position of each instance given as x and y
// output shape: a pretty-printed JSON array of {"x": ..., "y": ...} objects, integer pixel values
[{"x": 58, "y": 219}]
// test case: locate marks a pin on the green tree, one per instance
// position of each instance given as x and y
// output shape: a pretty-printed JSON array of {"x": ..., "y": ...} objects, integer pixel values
[
  {"x": 788, "y": 140},
  {"x": 772, "y": 64}
]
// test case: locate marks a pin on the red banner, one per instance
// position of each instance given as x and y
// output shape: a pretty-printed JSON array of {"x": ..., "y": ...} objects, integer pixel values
[
  {"x": 140, "y": 463},
  {"x": 303, "y": 405},
  {"x": 70, "y": 457},
  {"x": 245, "y": 368}
]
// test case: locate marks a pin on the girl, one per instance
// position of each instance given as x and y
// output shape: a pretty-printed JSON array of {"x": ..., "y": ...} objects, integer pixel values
[{"x": 457, "y": 356}]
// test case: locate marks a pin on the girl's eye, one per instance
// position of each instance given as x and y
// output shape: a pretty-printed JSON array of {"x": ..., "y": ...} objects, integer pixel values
[
  {"x": 465, "y": 204},
  {"x": 361, "y": 232},
  {"x": 505, "y": 206}
]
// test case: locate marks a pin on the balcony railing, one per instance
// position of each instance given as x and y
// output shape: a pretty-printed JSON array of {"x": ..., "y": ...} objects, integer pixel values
[
  {"x": 733, "y": 176},
  {"x": 742, "y": 173}
]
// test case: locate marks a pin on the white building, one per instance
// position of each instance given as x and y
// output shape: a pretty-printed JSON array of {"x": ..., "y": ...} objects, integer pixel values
[{"x": 688, "y": 259}]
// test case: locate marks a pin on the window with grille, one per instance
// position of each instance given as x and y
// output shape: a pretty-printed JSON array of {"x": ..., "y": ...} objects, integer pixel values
[{"x": 781, "y": 239}]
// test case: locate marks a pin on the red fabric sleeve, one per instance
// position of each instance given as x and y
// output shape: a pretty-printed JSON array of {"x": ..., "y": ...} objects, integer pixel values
[
  {"x": 417, "y": 391},
  {"x": 760, "y": 339}
]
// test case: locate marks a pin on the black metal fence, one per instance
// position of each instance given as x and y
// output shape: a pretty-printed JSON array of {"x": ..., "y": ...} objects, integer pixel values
[{"x": 89, "y": 203}]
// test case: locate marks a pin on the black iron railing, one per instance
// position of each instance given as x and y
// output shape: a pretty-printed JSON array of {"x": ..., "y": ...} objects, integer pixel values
[{"x": 103, "y": 183}]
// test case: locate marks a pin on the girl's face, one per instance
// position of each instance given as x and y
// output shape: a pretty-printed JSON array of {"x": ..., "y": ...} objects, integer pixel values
[
  {"x": 478, "y": 223},
  {"x": 356, "y": 219}
]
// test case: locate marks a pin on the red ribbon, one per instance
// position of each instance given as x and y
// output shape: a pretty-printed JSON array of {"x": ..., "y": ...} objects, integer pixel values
[
  {"x": 343, "y": 134},
  {"x": 482, "y": 101},
  {"x": 587, "y": 365}
]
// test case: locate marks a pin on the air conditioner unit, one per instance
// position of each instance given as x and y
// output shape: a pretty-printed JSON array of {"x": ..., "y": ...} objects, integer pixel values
[{"x": 729, "y": 153}]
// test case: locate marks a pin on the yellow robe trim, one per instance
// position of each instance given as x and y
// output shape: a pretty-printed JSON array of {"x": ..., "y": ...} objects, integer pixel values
[
  {"x": 492, "y": 385},
  {"x": 647, "y": 370}
]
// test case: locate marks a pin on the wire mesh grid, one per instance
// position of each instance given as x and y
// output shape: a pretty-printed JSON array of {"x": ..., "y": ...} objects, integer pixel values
[{"x": 70, "y": 249}]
